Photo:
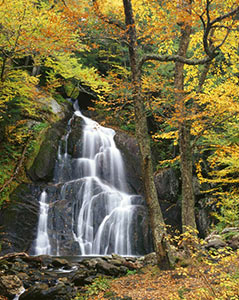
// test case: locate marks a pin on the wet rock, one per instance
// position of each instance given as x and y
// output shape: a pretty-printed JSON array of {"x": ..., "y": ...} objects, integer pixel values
[
  {"x": 79, "y": 278},
  {"x": 60, "y": 262},
  {"x": 233, "y": 242},
  {"x": 167, "y": 184},
  {"x": 44, "y": 164},
  {"x": 90, "y": 263},
  {"x": 23, "y": 276},
  {"x": 45, "y": 260},
  {"x": 18, "y": 235},
  {"x": 10, "y": 285},
  {"x": 150, "y": 259},
  {"x": 60, "y": 291},
  {"x": 107, "y": 268},
  {"x": 215, "y": 241},
  {"x": 75, "y": 141}
]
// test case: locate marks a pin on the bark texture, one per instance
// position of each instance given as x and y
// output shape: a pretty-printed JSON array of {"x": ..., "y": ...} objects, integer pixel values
[
  {"x": 161, "y": 245},
  {"x": 188, "y": 199}
]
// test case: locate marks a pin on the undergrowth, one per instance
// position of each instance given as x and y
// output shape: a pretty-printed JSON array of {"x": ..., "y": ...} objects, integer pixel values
[
  {"x": 100, "y": 284},
  {"x": 11, "y": 152}
]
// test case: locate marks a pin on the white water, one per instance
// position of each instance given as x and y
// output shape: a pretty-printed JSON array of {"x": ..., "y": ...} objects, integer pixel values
[
  {"x": 102, "y": 210},
  {"x": 103, "y": 174},
  {"x": 17, "y": 296},
  {"x": 42, "y": 242}
]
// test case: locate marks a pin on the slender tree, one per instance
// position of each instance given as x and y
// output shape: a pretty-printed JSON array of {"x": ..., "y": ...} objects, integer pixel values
[{"x": 161, "y": 244}]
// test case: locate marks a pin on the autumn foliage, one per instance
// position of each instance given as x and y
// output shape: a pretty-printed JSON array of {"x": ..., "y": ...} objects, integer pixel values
[{"x": 83, "y": 46}]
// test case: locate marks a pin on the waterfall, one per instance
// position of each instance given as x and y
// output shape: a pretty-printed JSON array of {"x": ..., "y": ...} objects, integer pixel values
[
  {"x": 92, "y": 212},
  {"x": 42, "y": 242}
]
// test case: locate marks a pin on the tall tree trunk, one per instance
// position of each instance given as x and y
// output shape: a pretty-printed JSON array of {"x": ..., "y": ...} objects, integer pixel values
[
  {"x": 4, "y": 62},
  {"x": 161, "y": 245},
  {"x": 188, "y": 199}
]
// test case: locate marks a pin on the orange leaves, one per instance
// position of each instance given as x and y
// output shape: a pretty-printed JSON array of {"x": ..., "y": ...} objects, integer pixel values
[{"x": 36, "y": 28}]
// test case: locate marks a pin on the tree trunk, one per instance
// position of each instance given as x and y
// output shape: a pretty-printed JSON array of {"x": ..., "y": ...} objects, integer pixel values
[
  {"x": 161, "y": 245},
  {"x": 188, "y": 199}
]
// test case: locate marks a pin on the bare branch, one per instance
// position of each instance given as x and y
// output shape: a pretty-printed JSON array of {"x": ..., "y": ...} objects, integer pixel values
[
  {"x": 175, "y": 58},
  {"x": 223, "y": 41},
  {"x": 223, "y": 17},
  {"x": 209, "y": 25}
]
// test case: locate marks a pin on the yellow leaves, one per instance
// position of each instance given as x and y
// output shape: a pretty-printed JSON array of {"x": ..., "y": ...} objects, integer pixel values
[
  {"x": 166, "y": 135},
  {"x": 17, "y": 83},
  {"x": 228, "y": 204},
  {"x": 17, "y": 133},
  {"x": 167, "y": 162},
  {"x": 111, "y": 7},
  {"x": 28, "y": 28},
  {"x": 69, "y": 67},
  {"x": 19, "y": 88},
  {"x": 219, "y": 100}
]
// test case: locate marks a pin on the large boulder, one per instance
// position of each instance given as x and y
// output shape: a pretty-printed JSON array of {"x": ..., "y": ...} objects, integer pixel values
[
  {"x": 42, "y": 291},
  {"x": 167, "y": 185},
  {"x": 129, "y": 148},
  {"x": 43, "y": 166}
]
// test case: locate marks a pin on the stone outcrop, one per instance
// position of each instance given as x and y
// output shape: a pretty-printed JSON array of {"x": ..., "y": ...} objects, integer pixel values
[
  {"x": 167, "y": 185},
  {"x": 131, "y": 155},
  {"x": 48, "y": 278},
  {"x": 19, "y": 220},
  {"x": 19, "y": 217},
  {"x": 43, "y": 166},
  {"x": 229, "y": 237}
]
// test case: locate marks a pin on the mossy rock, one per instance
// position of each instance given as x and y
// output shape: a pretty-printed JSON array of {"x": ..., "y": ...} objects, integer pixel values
[{"x": 42, "y": 168}]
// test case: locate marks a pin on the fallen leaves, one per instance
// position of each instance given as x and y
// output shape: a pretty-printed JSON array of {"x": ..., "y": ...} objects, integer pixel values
[{"x": 199, "y": 281}]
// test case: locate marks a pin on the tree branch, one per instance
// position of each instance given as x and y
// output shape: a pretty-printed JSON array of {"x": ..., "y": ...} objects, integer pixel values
[
  {"x": 175, "y": 58},
  {"x": 225, "y": 16},
  {"x": 209, "y": 25}
]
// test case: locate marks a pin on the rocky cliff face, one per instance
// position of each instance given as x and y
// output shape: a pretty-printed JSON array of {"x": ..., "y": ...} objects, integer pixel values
[{"x": 19, "y": 217}]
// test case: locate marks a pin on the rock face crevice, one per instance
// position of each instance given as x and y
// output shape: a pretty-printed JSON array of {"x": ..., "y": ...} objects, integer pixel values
[{"x": 43, "y": 166}]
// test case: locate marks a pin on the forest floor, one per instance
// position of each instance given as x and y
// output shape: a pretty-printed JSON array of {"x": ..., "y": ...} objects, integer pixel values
[{"x": 218, "y": 280}]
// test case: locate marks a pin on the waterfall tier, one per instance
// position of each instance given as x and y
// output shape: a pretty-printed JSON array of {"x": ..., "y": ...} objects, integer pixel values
[{"x": 88, "y": 210}]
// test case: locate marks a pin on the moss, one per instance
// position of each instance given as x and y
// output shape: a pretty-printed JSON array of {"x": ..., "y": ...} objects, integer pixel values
[{"x": 35, "y": 145}]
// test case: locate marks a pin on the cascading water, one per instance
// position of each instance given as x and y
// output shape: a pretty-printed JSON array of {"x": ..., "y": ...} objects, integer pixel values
[
  {"x": 42, "y": 242},
  {"x": 91, "y": 211}
]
